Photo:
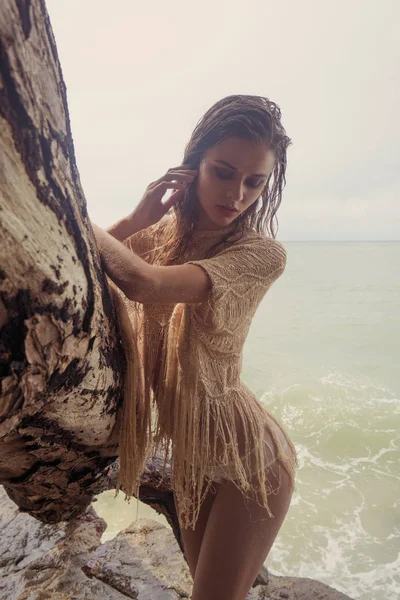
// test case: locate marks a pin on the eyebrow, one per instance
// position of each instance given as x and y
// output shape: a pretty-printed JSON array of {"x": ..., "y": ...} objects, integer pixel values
[{"x": 223, "y": 162}]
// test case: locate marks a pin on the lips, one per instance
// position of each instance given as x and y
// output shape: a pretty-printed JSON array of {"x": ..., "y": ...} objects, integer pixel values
[{"x": 230, "y": 208}]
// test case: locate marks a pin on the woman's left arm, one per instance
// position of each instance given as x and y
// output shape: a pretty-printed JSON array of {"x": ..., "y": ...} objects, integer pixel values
[{"x": 143, "y": 282}]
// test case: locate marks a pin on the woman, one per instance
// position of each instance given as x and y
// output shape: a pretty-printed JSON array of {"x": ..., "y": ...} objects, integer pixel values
[{"x": 192, "y": 281}]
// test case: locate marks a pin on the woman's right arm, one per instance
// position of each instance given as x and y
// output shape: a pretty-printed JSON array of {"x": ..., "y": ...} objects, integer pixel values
[
  {"x": 127, "y": 226},
  {"x": 151, "y": 208}
]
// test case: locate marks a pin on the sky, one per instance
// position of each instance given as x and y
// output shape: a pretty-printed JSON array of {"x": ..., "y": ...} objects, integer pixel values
[{"x": 140, "y": 75}]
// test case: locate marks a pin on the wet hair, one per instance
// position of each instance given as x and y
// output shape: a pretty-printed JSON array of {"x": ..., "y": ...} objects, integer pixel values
[{"x": 253, "y": 118}]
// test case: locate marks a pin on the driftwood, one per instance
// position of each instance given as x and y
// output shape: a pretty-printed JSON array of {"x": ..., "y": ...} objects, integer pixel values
[{"x": 61, "y": 365}]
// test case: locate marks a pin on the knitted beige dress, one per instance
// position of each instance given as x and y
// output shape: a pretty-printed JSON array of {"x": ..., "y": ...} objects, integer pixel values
[{"x": 189, "y": 402}]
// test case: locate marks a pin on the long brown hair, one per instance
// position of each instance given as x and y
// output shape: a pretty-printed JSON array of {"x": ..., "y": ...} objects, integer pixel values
[{"x": 253, "y": 118}]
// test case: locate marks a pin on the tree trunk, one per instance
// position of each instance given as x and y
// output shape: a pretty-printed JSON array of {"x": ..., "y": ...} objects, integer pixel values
[{"x": 61, "y": 365}]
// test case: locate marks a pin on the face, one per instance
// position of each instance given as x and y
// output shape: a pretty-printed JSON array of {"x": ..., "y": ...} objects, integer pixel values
[{"x": 232, "y": 176}]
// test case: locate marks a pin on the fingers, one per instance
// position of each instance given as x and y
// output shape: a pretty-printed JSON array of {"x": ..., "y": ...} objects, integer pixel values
[
  {"x": 172, "y": 199},
  {"x": 170, "y": 185},
  {"x": 182, "y": 169},
  {"x": 176, "y": 174}
]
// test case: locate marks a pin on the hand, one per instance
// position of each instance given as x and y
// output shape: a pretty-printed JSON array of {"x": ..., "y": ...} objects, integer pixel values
[{"x": 151, "y": 207}]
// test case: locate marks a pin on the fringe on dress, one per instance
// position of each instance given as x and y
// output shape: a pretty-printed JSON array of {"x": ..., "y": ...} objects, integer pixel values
[{"x": 184, "y": 397}]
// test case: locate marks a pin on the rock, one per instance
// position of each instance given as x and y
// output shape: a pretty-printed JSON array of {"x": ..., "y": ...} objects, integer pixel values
[
  {"x": 295, "y": 588},
  {"x": 144, "y": 561},
  {"x": 262, "y": 577},
  {"x": 68, "y": 562},
  {"x": 37, "y": 561}
]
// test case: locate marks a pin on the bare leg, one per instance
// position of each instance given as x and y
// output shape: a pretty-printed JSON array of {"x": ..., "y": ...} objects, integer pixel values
[
  {"x": 192, "y": 538},
  {"x": 236, "y": 543}
]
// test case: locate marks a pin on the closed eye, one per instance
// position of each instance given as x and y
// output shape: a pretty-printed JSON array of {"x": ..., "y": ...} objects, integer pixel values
[
  {"x": 254, "y": 184},
  {"x": 223, "y": 174}
]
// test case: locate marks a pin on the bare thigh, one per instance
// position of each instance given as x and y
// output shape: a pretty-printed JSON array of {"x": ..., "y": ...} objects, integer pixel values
[
  {"x": 192, "y": 538},
  {"x": 244, "y": 522},
  {"x": 237, "y": 540}
]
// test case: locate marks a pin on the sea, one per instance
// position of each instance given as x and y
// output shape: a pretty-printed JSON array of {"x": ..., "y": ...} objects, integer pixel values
[{"x": 323, "y": 354}]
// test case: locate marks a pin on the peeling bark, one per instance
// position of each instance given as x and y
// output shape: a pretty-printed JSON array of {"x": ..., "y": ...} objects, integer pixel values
[{"x": 61, "y": 365}]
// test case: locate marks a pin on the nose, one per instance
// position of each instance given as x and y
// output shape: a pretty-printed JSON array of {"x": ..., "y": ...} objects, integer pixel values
[{"x": 235, "y": 192}]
